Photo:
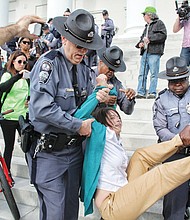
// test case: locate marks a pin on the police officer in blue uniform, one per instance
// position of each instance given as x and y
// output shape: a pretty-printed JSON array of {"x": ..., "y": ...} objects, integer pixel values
[
  {"x": 171, "y": 114},
  {"x": 111, "y": 61},
  {"x": 107, "y": 29},
  {"x": 59, "y": 84}
]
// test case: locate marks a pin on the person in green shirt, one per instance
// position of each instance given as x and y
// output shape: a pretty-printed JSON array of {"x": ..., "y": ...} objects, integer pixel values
[{"x": 15, "y": 91}]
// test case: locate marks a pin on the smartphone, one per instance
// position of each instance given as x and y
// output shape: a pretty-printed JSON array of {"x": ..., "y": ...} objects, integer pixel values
[{"x": 37, "y": 29}]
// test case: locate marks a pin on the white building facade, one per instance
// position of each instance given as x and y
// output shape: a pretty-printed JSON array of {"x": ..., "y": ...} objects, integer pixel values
[{"x": 126, "y": 14}]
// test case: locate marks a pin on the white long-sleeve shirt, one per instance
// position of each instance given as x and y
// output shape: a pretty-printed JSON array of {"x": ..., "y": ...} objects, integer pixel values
[{"x": 114, "y": 163}]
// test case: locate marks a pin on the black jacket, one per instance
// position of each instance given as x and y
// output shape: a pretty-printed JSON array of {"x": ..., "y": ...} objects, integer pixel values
[{"x": 157, "y": 35}]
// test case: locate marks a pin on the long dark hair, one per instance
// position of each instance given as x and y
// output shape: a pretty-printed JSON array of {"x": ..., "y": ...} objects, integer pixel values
[
  {"x": 101, "y": 114},
  {"x": 13, "y": 56}
]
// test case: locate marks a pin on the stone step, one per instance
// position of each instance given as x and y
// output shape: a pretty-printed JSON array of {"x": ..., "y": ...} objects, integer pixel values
[
  {"x": 132, "y": 142},
  {"x": 19, "y": 167},
  {"x": 32, "y": 212},
  {"x": 138, "y": 115},
  {"x": 23, "y": 192},
  {"x": 128, "y": 45},
  {"x": 26, "y": 211},
  {"x": 138, "y": 127},
  {"x": 153, "y": 213},
  {"x": 27, "y": 201},
  {"x": 18, "y": 151}
]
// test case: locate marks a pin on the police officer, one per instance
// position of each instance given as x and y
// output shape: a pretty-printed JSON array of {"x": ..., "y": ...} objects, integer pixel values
[
  {"x": 59, "y": 84},
  {"x": 46, "y": 38},
  {"x": 171, "y": 115},
  {"x": 107, "y": 29},
  {"x": 111, "y": 61}
]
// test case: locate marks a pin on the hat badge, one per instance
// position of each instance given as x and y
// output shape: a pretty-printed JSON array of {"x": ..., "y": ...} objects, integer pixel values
[
  {"x": 175, "y": 69},
  {"x": 91, "y": 34},
  {"x": 118, "y": 61}
]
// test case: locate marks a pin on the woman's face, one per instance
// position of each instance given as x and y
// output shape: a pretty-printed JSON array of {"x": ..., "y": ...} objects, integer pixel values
[
  {"x": 19, "y": 63},
  {"x": 25, "y": 44},
  {"x": 114, "y": 121}
]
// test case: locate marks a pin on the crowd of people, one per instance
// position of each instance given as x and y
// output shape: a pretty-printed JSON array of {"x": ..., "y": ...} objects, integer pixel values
[{"x": 70, "y": 105}]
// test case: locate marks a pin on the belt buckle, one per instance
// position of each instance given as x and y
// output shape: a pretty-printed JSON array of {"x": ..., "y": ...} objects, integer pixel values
[{"x": 72, "y": 141}]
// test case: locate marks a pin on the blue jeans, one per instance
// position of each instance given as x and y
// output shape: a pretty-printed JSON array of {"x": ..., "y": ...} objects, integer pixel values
[
  {"x": 185, "y": 53},
  {"x": 148, "y": 62}
]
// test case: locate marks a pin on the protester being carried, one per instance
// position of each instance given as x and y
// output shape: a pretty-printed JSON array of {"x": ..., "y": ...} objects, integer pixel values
[{"x": 120, "y": 185}]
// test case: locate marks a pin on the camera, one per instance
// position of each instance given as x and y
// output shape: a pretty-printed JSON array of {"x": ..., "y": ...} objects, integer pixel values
[
  {"x": 184, "y": 10},
  {"x": 38, "y": 29}
]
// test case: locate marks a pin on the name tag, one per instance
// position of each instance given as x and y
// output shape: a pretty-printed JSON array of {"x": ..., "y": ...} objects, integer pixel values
[{"x": 69, "y": 89}]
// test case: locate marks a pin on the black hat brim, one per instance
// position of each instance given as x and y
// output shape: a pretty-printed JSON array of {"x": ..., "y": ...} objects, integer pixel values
[
  {"x": 162, "y": 75},
  {"x": 120, "y": 68},
  {"x": 58, "y": 23}
]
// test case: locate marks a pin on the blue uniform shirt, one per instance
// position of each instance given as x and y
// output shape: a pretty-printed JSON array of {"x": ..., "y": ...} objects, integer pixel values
[
  {"x": 52, "y": 98},
  {"x": 170, "y": 114}
]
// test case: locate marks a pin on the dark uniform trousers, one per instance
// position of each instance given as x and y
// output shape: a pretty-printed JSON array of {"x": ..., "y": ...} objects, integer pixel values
[
  {"x": 177, "y": 197},
  {"x": 57, "y": 188}
]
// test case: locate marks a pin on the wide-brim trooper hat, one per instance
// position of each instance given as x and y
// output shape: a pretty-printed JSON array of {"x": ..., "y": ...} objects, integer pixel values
[
  {"x": 113, "y": 58},
  {"x": 176, "y": 68},
  {"x": 79, "y": 28}
]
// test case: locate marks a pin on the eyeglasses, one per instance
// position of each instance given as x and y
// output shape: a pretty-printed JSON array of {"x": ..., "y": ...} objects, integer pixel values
[
  {"x": 26, "y": 42},
  {"x": 21, "y": 61}
]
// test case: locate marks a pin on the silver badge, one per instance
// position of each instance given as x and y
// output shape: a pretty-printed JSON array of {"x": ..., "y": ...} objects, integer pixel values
[
  {"x": 46, "y": 66},
  {"x": 44, "y": 75},
  {"x": 91, "y": 34},
  {"x": 175, "y": 69},
  {"x": 188, "y": 108},
  {"x": 118, "y": 61}
]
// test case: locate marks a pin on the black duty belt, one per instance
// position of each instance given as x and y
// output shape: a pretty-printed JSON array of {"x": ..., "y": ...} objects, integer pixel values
[
  {"x": 185, "y": 151},
  {"x": 57, "y": 142}
]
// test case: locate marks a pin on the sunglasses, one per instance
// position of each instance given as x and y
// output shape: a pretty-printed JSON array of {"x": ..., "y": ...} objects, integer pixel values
[
  {"x": 26, "y": 42},
  {"x": 21, "y": 61},
  {"x": 79, "y": 47}
]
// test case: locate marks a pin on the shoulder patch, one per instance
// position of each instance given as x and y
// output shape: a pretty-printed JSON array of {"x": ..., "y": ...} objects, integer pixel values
[{"x": 45, "y": 72}]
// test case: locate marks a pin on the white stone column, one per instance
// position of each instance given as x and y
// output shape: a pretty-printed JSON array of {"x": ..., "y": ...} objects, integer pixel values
[
  {"x": 135, "y": 22},
  {"x": 57, "y": 8},
  {"x": 4, "y": 12}
]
